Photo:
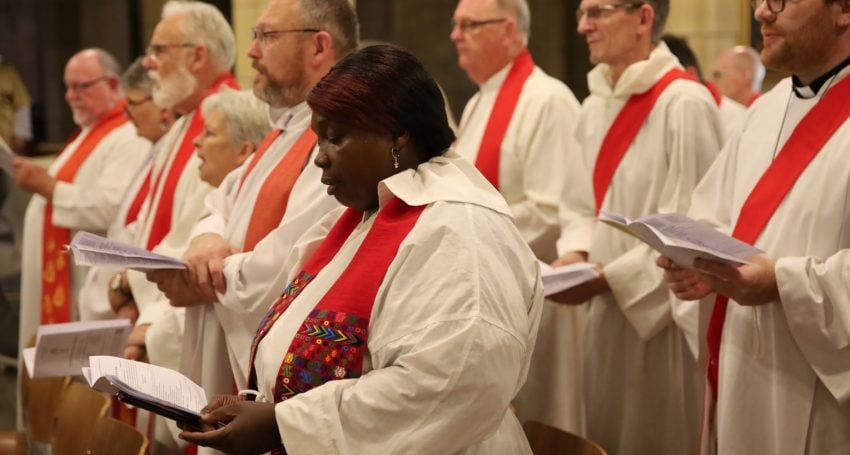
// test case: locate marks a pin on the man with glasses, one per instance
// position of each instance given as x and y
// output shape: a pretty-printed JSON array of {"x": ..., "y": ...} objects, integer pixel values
[
  {"x": 776, "y": 329},
  {"x": 81, "y": 190},
  {"x": 646, "y": 135},
  {"x": 271, "y": 200},
  {"x": 189, "y": 57},
  {"x": 516, "y": 130}
]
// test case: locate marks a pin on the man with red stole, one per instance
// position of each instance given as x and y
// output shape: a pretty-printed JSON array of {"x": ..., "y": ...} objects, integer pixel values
[
  {"x": 189, "y": 57},
  {"x": 295, "y": 43},
  {"x": 647, "y": 133},
  {"x": 81, "y": 190},
  {"x": 516, "y": 130},
  {"x": 775, "y": 332}
]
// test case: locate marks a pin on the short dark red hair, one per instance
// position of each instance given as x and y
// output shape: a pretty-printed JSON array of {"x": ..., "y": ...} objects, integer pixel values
[{"x": 385, "y": 89}]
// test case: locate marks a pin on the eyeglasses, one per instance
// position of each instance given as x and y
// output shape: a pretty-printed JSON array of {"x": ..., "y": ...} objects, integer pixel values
[
  {"x": 154, "y": 51},
  {"x": 596, "y": 12},
  {"x": 468, "y": 25},
  {"x": 82, "y": 86},
  {"x": 131, "y": 103},
  {"x": 774, "y": 6},
  {"x": 265, "y": 37}
]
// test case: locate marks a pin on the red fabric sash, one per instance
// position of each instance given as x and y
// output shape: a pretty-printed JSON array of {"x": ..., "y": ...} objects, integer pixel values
[
  {"x": 162, "y": 212},
  {"x": 490, "y": 150},
  {"x": 273, "y": 197},
  {"x": 623, "y": 131},
  {"x": 715, "y": 92},
  {"x": 753, "y": 98},
  {"x": 55, "y": 270},
  {"x": 136, "y": 205},
  {"x": 331, "y": 342},
  {"x": 261, "y": 150},
  {"x": 807, "y": 139}
]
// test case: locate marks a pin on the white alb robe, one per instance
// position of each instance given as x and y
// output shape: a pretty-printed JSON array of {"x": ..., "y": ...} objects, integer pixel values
[
  {"x": 89, "y": 203},
  {"x": 640, "y": 375},
  {"x": 533, "y": 156},
  {"x": 450, "y": 335},
  {"x": 163, "y": 340},
  {"x": 784, "y": 376},
  {"x": 731, "y": 115},
  {"x": 217, "y": 337},
  {"x": 93, "y": 297}
]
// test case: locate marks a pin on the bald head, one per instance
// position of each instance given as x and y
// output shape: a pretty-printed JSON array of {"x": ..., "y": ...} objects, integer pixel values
[
  {"x": 91, "y": 81},
  {"x": 738, "y": 73}
]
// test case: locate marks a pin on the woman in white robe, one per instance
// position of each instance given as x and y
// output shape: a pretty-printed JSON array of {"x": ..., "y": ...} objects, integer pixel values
[{"x": 454, "y": 315}]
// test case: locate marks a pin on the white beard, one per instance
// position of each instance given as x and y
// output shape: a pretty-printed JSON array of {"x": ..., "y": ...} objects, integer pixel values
[{"x": 168, "y": 92}]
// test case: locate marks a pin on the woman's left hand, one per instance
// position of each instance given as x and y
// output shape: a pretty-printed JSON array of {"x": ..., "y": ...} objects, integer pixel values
[{"x": 249, "y": 427}]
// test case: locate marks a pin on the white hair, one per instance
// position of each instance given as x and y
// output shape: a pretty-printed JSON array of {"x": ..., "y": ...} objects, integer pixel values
[
  {"x": 204, "y": 24},
  {"x": 523, "y": 16},
  {"x": 245, "y": 116}
]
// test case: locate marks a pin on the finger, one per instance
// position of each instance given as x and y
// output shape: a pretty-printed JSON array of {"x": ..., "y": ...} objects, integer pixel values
[
  {"x": 206, "y": 438},
  {"x": 720, "y": 270},
  {"x": 666, "y": 263},
  {"x": 217, "y": 274}
]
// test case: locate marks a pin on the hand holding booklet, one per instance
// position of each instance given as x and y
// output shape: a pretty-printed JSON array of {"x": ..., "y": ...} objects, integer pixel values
[
  {"x": 159, "y": 390},
  {"x": 682, "y": 239},
  {"x": 62, "y": 349},
  {"x": 557, "y": 279},
  {"x": 90, "y": 249}
]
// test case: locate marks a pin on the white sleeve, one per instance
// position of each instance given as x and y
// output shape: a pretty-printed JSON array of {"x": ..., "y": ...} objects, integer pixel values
[
  {"x": 92, "y": 201},
  {"x": 576, "y": 209},
  {"x": 543, "y": 139},
  {"x": 816, "y": 301},
  {"x": 693, "y": 141}
]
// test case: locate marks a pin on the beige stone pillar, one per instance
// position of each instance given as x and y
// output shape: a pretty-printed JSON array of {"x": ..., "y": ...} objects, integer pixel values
[
  {"x": 710, "y": 26},
  {"x": 245, "y": 14}
]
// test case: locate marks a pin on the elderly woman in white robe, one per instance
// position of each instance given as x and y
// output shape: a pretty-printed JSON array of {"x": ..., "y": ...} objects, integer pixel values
[{"x": 411, "y": 315}]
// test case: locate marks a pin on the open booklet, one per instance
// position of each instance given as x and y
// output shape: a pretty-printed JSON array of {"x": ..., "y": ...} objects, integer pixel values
[
  {"x": 6, "y": 155},
  {"x": 91, "y": 249},
  {"x": 682, "y": 239},
  {"x": 62, "y": 349},
  {"x": 159, "y": 390},
  {"x": 557, "y": 279}
]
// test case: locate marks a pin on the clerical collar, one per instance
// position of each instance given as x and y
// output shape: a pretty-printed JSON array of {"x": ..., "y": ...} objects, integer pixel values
[{"x": 811, "y": 90}]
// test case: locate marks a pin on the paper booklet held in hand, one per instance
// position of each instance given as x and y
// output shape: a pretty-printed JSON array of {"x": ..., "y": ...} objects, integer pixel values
[
  {"x": 682, "y": 239},
  {"x": 90, "y": 249},
  {"x": 557, "y": 279},
  {"x": 156, "y": 389},
  {"x": 62, "y": 349}
]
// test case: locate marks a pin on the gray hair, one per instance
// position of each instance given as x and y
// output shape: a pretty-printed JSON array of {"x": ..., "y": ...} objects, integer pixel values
[
  {"x": 204, "y": 24},
  {"x": 245, "y": 116},
  {"x": 136, "y": 77},
  {"x": 107, "y": 62},
  {"x": 338, "y": 18},
  {"x": 520, "y": 10},
  {"x": 661, "y": 8},
  {"x": 753, "y": 63}
]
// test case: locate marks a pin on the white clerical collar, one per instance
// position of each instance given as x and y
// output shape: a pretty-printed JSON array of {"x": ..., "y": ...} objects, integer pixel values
[
  {"x": 638, "y": 77},
  {"x": 822, "y": 82},
  {"x": 289, "y": 117},
  {"x": 495, "y": 81}
]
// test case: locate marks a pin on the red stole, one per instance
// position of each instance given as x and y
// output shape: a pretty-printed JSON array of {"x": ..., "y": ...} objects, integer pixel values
[
  {"x": 807, "y": 139},
  {"x": 489, "y": 152},
  {"x": 753, "y": 98},
  {"x": 136, "y": 205},
  {"x": 55, "y": 270},
  {"x": 270, "y": 204},
  {"x": 715, "y": 92},
  {"x": 331, "y": 342},
  {"x": 623, "y": 131},
  {"x": 161, "y": 221}
]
